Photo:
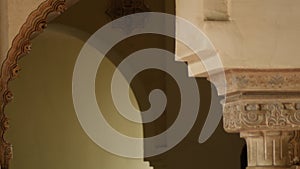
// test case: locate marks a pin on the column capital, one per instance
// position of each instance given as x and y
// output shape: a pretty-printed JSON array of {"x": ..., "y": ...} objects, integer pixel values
[
  {"x": 277, "y": 114},
  {"x": 263, "y": 105}
]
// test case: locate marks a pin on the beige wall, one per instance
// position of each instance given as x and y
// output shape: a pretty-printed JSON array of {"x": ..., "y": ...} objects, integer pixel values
[
  {"x": 3, "y": 29},
  {"x": 45, "y": 131},
  {"x": 260, "y": 33},
  {"x": 13, "y": 14}
]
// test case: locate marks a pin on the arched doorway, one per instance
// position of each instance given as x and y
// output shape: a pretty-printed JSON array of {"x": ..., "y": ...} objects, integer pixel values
[
  {"x": 25, "y": 48},
  {"x": 47, "y": 132}
]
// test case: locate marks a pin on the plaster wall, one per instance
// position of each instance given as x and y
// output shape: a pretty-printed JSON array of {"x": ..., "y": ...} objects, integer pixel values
[
  {"x": 259, "y": 34},
  {"x": 45, "y": 131}
]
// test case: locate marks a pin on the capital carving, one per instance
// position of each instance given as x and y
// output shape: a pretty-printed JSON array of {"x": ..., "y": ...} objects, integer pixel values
[{"x": 262, "y": 115}]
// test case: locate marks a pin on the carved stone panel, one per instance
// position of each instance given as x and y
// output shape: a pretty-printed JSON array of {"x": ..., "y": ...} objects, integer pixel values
[
  {"x": 263, "y": 115},
  {"x": 264, "y": 107}
]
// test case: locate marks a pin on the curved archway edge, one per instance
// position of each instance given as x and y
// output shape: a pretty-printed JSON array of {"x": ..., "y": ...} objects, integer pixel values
[{"x": 35, "y": 24}]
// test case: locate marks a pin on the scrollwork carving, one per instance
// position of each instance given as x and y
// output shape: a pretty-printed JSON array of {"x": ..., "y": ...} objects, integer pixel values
[
  {"x": 276, "y": 115},
  {"x": 233, "y": 120},
  {"x": 280, "y": 116},
  {"x": 252, "y": 118}
]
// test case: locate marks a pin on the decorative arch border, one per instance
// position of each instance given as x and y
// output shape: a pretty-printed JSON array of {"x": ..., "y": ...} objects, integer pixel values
[{"x": 35, "y": 24}]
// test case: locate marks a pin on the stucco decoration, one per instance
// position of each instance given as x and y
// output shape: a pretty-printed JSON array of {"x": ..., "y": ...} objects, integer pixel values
[{"x": 263, "y": 105}]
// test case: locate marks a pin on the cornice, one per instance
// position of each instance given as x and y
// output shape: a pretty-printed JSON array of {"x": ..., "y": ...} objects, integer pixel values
[{"x": 256, "y": 80}]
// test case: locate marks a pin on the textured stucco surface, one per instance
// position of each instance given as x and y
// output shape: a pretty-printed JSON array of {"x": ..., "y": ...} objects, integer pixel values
[{"x": 259, "y": 34}]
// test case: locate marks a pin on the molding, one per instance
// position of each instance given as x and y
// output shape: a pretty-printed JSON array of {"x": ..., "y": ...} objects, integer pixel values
[
  {"x": 272, "y": 80},
  {"x": 263, "y": 105},
  {"x": 21, "y": 45},
  {"x": 258, "y": 99},
  {"x": 257, "y": 80}
]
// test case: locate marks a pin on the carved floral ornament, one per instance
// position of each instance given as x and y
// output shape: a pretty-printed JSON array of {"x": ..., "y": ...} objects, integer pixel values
[
  {"x": 261, "y": 100},
  {"x": 261, "y": 116},
  {"x": 258, "y": 80}
]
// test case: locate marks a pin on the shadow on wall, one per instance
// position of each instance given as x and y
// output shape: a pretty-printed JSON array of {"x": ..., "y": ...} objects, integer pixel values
[
  {"x": 44, "y": 130},
  {"x": 222, "y": 150}
]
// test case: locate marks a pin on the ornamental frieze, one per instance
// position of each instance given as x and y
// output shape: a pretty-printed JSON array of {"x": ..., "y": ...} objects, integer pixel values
[{"x": 241, "y": 116}]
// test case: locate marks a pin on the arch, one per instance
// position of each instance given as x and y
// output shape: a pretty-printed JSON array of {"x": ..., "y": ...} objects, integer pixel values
[
  {"x": 36, "y": 22},
  {"x": 46, "y": 125}
]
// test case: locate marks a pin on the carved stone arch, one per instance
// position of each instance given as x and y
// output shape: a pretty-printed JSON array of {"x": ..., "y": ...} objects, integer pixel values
[{"x": 36, "y": 22}]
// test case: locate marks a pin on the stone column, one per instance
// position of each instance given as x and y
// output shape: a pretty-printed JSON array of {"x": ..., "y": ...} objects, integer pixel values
[
  {"x": 270, "y": 149},
  {"x": 264, "y": 107}
]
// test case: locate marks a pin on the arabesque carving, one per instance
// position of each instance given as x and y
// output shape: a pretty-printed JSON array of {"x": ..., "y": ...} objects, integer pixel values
[{"x": 241, "y": 116}]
